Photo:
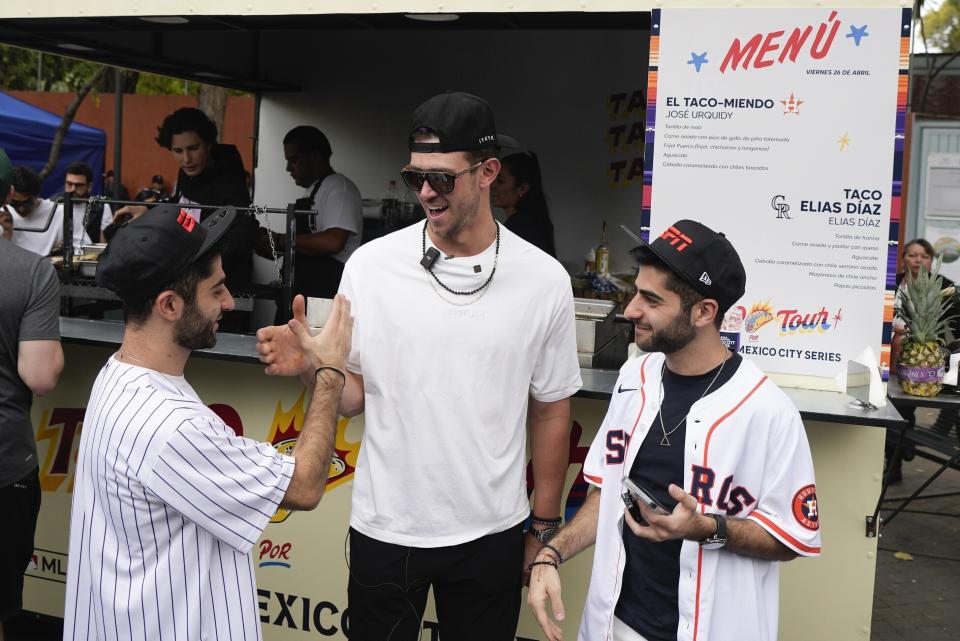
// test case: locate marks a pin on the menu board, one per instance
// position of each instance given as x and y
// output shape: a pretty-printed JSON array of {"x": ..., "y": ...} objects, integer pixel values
[{"x": 783, "y": 129}]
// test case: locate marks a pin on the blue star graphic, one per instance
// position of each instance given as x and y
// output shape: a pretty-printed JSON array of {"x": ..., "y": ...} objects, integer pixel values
[
  {"x": 857, "y": 33},
  {"x": 697, "y": 61}
]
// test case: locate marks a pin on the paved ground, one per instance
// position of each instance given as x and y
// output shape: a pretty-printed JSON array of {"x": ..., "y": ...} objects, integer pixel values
[
  {"x": 914, "y": 600},
  {"x": 919, "y": 600}
]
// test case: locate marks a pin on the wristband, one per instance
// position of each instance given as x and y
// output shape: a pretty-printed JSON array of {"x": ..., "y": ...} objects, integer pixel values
[
  {"x": 547, "y": 546},
  {"x": 332, "y": 368},
  {"x": 552, "y": 564},
  {"x": 536, "y": 520}
]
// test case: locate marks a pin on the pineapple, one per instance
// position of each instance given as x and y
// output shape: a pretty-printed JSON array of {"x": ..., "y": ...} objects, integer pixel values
[{"x": 923, "y": 309}]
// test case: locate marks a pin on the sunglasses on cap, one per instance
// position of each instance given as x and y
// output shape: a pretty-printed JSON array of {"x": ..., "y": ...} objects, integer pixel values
[{"x": 441, "y": 181}]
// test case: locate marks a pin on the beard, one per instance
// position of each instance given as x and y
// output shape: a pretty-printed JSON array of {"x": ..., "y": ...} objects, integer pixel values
[
  {"x": 193, "y": 331},
  {"x": 459, "y": 219},
  {"x": 679, "y": 333}
]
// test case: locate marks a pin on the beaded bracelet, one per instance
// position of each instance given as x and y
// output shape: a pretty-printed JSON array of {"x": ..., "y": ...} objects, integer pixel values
[
  {"x": 330, "y": 367},
  {"x": 551, "y": 563},
  {"x": 548, "y": 522}
]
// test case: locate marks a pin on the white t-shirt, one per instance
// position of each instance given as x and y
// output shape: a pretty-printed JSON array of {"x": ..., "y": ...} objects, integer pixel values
[
  {"x": 446, "y": 386},
  {"x": 339, "y": 203},
  {"x": 38, "y": 242},
  {"x": 80, "y": 236},
  {"x": 167, "y": 505}
]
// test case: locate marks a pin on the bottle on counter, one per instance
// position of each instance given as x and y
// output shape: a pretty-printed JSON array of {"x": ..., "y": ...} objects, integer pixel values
[
  {"x": 390, "y": 206},
  {"x": 590, "y": 260},
  {"x": 603, "y": 252}
]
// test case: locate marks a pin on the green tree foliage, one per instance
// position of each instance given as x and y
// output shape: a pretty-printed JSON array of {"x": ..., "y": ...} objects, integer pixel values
[
  {"x": 942, "y": 26},
  {"x": 56, "y": 73},
  {"x": 19, "y": 69}
]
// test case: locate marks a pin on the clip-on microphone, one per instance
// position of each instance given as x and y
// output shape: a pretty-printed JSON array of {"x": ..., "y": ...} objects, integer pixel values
[{"x": 429, "y": 258}]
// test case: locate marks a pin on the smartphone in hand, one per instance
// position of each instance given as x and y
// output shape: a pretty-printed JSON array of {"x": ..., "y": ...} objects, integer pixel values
[{"x": 637, "y": 492}]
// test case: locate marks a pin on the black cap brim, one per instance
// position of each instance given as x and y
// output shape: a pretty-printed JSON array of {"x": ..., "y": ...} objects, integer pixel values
[{"x": 217, "y": 225}]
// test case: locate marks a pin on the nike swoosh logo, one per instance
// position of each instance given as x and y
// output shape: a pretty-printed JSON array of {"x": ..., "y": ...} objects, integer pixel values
[{"x": 620, "y": 389}]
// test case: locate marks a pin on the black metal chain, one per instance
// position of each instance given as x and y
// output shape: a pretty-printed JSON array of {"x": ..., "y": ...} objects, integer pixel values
[{"x": 496, "y": 254}]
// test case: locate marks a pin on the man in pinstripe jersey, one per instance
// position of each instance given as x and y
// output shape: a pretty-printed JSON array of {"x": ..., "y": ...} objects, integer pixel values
[{"x": 168, "y": 501}]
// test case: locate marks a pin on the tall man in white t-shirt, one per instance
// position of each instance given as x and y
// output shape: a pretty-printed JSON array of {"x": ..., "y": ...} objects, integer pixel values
[
  {"x": 168, "y": 500},
  {"x": 464, "y": 333}
]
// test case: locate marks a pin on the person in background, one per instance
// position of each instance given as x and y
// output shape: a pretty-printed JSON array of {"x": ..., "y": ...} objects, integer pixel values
[
  {"x": 518, "y": 190},
  {"x": 916, "y": 253},
  {"x": 157, "y": 185},
  {"x": 325, "y": 241},
  {"x": 211, "y": 174},
  {"x": 79, "y": 183},
  {"x": 448, "y": 386},
  {"x": 108, "y": 185},
  {"x": 30, "y": 211},
  {"x": 31, "y": 359}
]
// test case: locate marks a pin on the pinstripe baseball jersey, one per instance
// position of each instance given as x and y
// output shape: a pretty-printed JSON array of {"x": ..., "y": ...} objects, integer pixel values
[
  {"x": 167, "y": 504},
  {"x": 745, "y": 455}
]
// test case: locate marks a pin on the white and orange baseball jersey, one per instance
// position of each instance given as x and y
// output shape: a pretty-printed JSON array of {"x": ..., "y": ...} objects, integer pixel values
[
  {"x": 168, "y": 503},
  {"x": 745, "y": 455}
]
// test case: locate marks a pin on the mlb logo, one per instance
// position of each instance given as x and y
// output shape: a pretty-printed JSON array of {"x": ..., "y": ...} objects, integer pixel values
[
  {"x": 731, "y": 340},
  {"x": 34, "y": 564}
]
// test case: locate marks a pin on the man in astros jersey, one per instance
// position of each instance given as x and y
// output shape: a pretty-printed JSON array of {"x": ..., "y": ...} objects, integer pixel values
[{"x": 711, "y": 439}]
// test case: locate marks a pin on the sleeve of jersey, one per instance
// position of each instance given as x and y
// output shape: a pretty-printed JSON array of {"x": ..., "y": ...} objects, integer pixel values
[
  {"x": 556, "y": 375},
  {"x": 228, "y": 485},
  {"x": 594, "y": 463},
  {"x": 347, "y": 289},
  {"x": 787, "y": 507}
]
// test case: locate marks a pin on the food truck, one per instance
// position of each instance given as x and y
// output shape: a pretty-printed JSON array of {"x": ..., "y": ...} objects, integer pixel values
[{"x": 626, "y": 106}]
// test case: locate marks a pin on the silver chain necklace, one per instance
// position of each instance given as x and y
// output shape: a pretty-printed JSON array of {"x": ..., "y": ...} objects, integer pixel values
[
  {"x": 665, "y": 441},
  {"x": 133, "y": 358}
]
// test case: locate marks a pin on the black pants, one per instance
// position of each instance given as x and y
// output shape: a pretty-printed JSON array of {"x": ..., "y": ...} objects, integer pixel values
[
  {"x": 21, "y": 502},
  {"x": 476, "y": 587}
]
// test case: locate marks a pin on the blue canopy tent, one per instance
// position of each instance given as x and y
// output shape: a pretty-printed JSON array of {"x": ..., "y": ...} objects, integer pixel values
[{"x": 26, "y": 133}]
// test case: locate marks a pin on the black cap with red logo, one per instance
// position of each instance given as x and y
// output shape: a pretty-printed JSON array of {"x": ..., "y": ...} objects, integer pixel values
[
  {"x": 147, "y": 254},
  {"x": 702, "y": 257}
]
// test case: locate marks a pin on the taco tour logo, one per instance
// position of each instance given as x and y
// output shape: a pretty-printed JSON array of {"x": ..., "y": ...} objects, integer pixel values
[{"x": 790, "y": 321}]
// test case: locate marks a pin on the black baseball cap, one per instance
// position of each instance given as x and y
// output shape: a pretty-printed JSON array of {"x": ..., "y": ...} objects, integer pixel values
[
  {"x": 147, "y": 254},
  {"x": 462, "y": 122},
  {"x": 702, "y": 257}
]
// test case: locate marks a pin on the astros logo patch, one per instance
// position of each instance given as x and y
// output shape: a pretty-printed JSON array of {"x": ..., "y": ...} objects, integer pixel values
[{"x": 805, "y": 507}]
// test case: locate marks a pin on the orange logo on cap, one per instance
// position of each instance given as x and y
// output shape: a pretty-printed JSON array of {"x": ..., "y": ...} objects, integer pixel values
[
  {"x": 678, "y": 240},
  {"x": 186, "y": 221}
]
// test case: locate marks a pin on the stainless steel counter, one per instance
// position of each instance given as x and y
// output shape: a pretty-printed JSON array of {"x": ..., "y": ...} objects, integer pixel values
[{"x": 831, "y": 407}]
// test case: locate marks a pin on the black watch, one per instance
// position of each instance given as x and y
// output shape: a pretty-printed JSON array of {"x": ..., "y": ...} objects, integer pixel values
[
  {"x": 543, "y": 535},
  {"x": 719, "y": 538}
]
